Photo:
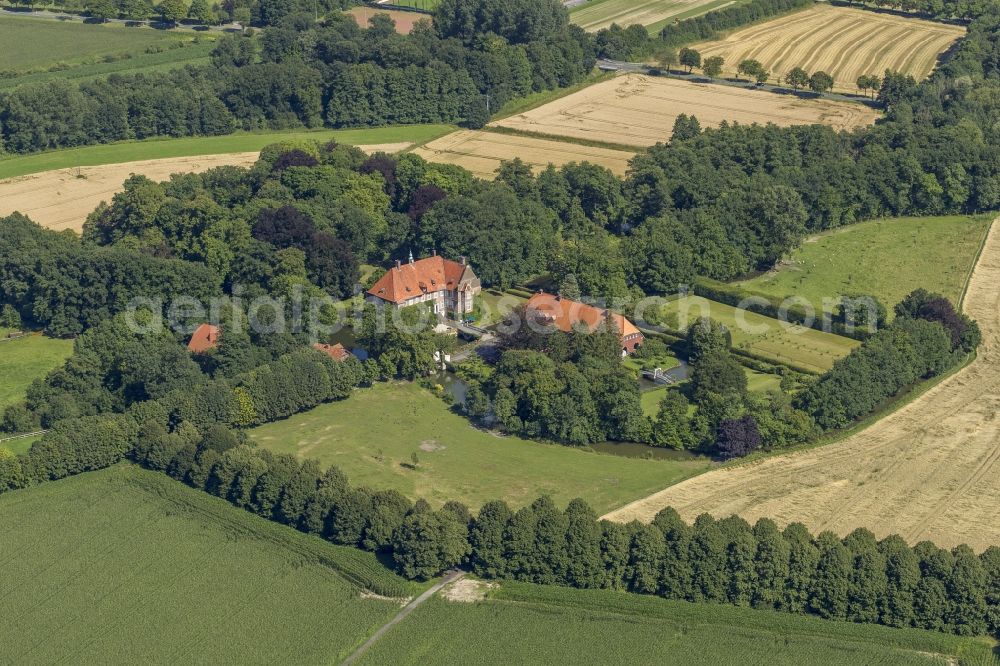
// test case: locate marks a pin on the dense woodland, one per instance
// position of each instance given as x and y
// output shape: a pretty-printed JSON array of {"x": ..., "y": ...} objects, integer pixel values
[{"x": 300, "y": 73}]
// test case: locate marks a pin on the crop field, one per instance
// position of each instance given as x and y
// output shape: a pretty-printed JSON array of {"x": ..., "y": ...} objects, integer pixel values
[
  {"x": 373, "y": 434},
  {"x": 638, "y": 110},
  {"x": 780, "y": 342},
  {"x": 927, "y": 471},
  {"x": 521, "y": 623},
  {"x": 482, "y": 152},
  {"x": 127, "y": 566},
  {"x": 26, "y": 359},
  {"x": 36, "y": 43},
  {"x": 843, "y": 42},
  {"x": 62, "y": 198},
  {"x": 885, "y": 258},
  {"x": 241, "y": 142},
  {"x": 654, "y": 14}
]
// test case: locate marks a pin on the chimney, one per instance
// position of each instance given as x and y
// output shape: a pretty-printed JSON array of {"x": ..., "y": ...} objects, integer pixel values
[
  {"x": 462, "y": 259},
  {"x": 399, "y": 264},
  {"x": 434, "y": 252}
]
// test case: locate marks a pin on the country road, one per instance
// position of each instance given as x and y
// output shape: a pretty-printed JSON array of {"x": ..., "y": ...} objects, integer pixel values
[
  {"x": 409, "y": 608},
  {"x": 929, "y": 471}
]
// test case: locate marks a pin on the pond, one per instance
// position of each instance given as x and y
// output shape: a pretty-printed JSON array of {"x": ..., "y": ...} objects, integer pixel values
[{"x": 346, "y": 337}]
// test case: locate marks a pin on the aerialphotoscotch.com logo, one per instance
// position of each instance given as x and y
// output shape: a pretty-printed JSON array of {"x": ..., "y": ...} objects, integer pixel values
[{"x": 321, "y": 316}]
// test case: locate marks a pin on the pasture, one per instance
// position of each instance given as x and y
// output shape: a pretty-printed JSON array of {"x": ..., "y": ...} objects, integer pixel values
[
  {"x": 654, "y": 14},
  {"x": 373, "y": 435},
  {"x": 126, "y": 565},
  {"x": 886, "y": 259},
  {"x": 522, "y": 623},
  {"x": 927, "y": 471},
  {"x": 23, "y": 360},
  {"x": 33, "y": 44},
  {"x": 777, "y": 341},
  {"x": 843, "y": 42},
  {"x": 638, "y": 110},
  {"x": 482, "y": 152}
]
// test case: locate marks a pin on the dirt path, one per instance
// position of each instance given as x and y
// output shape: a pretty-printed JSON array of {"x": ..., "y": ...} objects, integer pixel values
[
  {"x": 410, "y": 607},
  {"x": 928, "y": 471},
  {"x": 62, "y": 199}
]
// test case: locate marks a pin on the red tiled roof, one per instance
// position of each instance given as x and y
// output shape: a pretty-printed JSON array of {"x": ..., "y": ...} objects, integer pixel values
[
  {"x": 205, "y": 338},
  {"x": 566, "y": 315},
  {"x": 409, "y": 280},
  {"x": 337, "y": 352}
]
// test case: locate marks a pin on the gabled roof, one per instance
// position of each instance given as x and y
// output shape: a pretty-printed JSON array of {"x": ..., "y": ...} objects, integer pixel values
[
  {"x": 567, "y": 315},
  {"x": 337, "y": 352},
  {"x": 428, "y": 275},
  {"x": 204, "y": 338}
]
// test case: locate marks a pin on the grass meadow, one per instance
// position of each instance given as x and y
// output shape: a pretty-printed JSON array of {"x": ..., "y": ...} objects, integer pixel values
[
  {"x": 23, "y": 360},
  {"x": 190, "y": 54},
  {"x": 127, "y": 566},
  {"x": 30, "y": 43},
  {"x": 885, "y": 258},
  {"x": 130, "y": 151},
  {"x": 521, "y": 623},
  {"x": 769, "y": 338},
  {"x": 373, "y": 435}
]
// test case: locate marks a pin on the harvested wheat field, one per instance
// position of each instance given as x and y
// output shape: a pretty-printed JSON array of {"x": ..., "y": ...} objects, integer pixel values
[
  {"x": 845, "y": 43},
  {"x": 62, "y": 199},
  {"x": 638, "y": 110},
  {"x": 931, "y": 470},
  {"x": 482, "y": 152},
  {"x": 597, "y": 14}
]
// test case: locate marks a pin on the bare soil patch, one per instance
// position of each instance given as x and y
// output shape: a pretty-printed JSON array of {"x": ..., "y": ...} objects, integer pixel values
[
  {"x": 404, "y": 20},
  {"x": 467, "y": 591},
  {"x": 928, "y": 471},
  {"x": 62, "y": 199},
  {"x": 482, "y": 152},
  {"x": 639, "y": 110},
  {"x": 843, "y": 42}
]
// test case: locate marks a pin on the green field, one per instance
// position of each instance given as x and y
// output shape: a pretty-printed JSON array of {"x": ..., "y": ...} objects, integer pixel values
[
  {"x": 23, "y": 360},
  {"x": 758, "y": 382},
  {"x": 886, "y": 258},
  {"x": 373, "y": 434},
  {"x": 30, "y": 43},
  {"x": 129, "y": 566},
  {"x": 129, "y": 151},
  {"x": 528, "y": 624},
  {"x": 799, "y": 347},
  {"x": 426, "y": 5},
  {"x": 190, "y": 54}
]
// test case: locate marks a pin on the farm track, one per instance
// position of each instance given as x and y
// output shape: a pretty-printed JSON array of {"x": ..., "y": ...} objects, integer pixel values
[
  {"x": 927, "y": 471},
  {"x": 843, "y": 42}
]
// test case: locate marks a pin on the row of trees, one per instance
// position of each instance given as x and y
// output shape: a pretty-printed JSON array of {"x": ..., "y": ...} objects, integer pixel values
[
  {"x": 927, "y": 337},
  {"x": 857, "y": 578},
  {"x": 942, "y": 9},
  {"x": 301, "y": 73}
]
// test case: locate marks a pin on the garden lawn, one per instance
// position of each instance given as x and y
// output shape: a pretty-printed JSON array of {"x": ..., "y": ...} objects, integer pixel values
[
  {"x": 373, "y": 435},
  {"x": 23, "y": 360},
  {"x": 521, "y": 623},
  {"x": 885, "y": 258},
  {"x": 30, "y": 43},
  {"x": 242, "y": 142},
  {"x": 129, "y": 566},
  {"x": 801, "y": 348}
]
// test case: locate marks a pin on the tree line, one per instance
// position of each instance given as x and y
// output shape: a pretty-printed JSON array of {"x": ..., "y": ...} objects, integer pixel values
[
  {"x": 301, "y": 73},
  {"x": 857, "y": 578}
]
